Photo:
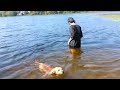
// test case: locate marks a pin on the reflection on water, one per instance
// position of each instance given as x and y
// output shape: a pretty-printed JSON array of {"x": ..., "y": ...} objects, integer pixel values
[
  {"x": 28, "y": 38},
  {"x": 73, "y": 64},
  {"x": 99, "y": 64}
]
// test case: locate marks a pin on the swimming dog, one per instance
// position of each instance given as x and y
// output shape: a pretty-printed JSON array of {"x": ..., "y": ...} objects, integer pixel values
[{"x": 48, "y": 70}]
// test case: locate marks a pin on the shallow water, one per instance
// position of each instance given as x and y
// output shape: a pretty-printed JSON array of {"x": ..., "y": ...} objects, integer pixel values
[{"x": 24, "y": 39}]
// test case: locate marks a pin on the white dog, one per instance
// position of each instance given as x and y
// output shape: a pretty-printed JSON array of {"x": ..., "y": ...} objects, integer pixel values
[{"x": 48, "y": 70}]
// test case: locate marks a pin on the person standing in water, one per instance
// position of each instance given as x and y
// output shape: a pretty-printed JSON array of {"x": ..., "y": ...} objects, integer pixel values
[{"x": 76, "y": 34}]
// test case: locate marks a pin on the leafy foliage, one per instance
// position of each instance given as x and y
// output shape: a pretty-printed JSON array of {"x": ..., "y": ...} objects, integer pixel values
[{"x": 15, "y": 13}]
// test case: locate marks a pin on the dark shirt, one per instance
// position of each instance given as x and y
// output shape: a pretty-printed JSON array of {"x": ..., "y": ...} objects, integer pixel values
[{"x": 75, "y": 35}]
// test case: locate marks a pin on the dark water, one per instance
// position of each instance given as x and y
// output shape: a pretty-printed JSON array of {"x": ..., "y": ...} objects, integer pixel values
[{"x": 24, "y": 39}]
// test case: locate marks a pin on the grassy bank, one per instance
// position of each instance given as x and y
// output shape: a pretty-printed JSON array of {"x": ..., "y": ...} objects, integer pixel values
[{"x": 115, "y": 17}]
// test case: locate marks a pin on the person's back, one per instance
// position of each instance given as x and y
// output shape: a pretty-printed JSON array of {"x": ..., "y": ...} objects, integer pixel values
[{"x": 75, "y": 36}]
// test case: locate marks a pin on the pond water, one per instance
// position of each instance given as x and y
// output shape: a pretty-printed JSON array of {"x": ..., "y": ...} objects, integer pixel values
[{"x": 24, "y": 39}]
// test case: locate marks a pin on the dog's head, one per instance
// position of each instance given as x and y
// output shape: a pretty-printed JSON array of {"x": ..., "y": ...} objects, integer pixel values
[{"x": 57, "y": 71}]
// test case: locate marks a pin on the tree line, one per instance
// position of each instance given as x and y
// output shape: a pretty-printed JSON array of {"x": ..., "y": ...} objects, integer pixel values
[{"x": 15, "y": 13}]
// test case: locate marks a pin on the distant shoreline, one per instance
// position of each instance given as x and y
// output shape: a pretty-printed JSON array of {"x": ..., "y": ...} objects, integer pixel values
[
  {"x": 16, "y": 13},
  {"x": 34, "y": 13}
]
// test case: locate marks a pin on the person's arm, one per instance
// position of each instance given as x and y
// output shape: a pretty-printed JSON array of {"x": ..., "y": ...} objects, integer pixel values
[
  {"x": 71, "y": 35},
  {"x": 69, "y": 40}
]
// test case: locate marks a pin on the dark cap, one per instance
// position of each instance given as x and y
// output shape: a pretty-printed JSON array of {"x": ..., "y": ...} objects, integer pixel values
[{"x": 71, "y": 20}]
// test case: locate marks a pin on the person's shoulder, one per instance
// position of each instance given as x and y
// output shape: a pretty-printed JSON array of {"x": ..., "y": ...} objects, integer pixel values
[
  {"x": 78, "y": 26},
  {"x": 71, "y": 26}
]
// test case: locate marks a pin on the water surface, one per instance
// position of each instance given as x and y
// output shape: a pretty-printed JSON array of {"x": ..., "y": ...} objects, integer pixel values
[{"x": 24, "y": 39}]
